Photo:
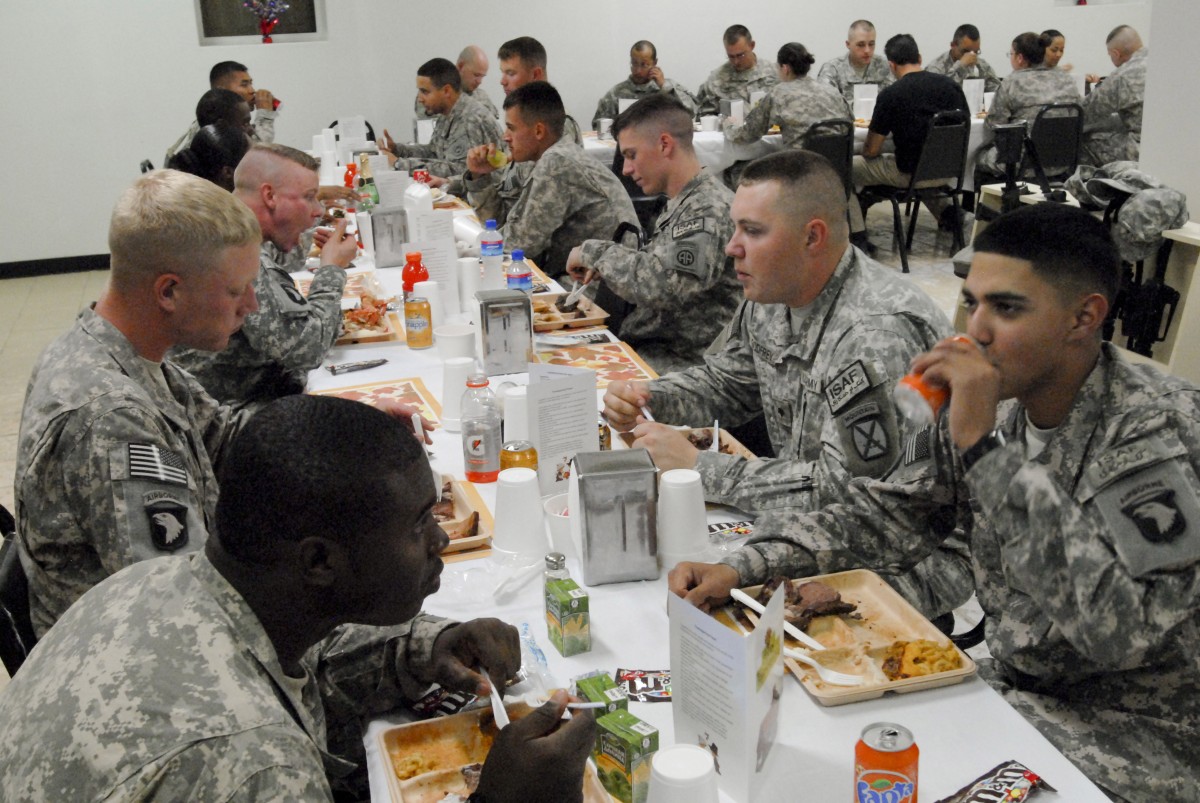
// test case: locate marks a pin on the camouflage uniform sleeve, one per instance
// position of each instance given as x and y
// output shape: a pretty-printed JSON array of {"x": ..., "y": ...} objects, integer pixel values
[
  {"x": 726, "y": 385},
  {"x": 607, "y": 108},
  {"x": 1102, "y": 103},
  {"x": 756, "y": 124},
  {"x": 494, "y": 194},
  {"x": 544, "y": 204},
  {"x": 682, "y": 95},
  {"x": 264, "y": 125},
  {"x": 991, "y": 81},
  {"x": 289, "y": 329},
  {"x": 829, "y": 74},
  {"x": 889, "y": 525},
  {"x": 1116, "y": 566},
  {"x": 707, "y": 101},
  {"x": 682, "y": 262}
]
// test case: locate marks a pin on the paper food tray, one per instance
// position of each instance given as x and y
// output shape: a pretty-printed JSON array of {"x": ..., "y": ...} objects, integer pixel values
[
  {"x": 467, "y": 501},
  {"x": 441, "y": 747},
  {"x": 585, "y": 314},
  {"x": 886, "y": 618}
]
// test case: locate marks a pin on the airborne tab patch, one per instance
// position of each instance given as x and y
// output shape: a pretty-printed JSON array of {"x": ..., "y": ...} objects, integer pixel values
[{"x": 846, "y": 386}]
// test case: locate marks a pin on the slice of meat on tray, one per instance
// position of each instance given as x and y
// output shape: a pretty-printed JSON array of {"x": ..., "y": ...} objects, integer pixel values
[{"x": 805, "y": 601}]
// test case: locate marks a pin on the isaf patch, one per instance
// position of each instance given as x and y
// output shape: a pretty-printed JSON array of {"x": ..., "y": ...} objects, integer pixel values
[
  {"x": 847, "y": 386},
  {"x": 167, "y": 517},
  {"x": 1153, "y": 516},
  {"x": 686, "y": 228}
]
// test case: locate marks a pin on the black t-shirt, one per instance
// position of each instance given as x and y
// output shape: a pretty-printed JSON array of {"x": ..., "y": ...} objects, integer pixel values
[{"x": 905, "y": 108}]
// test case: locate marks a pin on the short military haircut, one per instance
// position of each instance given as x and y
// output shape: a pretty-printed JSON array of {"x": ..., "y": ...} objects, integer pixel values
[
  {"x": 268, "y": 493},
  {"x": 797, "y": 57},
  {"x": 539, "y": 102},
  {"x": 735, "y": 33},
  {"x": 219, "y": 106},
  {"x": 966, "y": 31},
  {"x": 1124, "y": 39},
  {"x": 529, "y": 50},
  {"x": 645, "y": 44},
  {"x": 902, "y": 49},
  {"x": 173, "y": 222},
  {"x": 441, "y": 72},
  {"x": 222, "y": 69},
  {"x": 1067, "y": 247},
  {"x": 658, "y": 112},
  {"x": 860, "y": 25},
  {"x": 1032, "y": 46},
  {"x": 808, "y": 183}
]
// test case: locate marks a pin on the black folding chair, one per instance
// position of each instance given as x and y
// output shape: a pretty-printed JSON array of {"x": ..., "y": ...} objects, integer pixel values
[
  {"x": 146, "y": 166},
  {"x": 647, "y": 207},
  {"x": 16, "y": 628},
  {"x": 939, "y": 174},
  {"x": 834, "y": 139},
  {"x": 1054, "y": 140}
]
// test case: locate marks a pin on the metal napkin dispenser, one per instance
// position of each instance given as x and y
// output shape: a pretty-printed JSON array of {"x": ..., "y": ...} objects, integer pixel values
[
  {"x": 505, "y": 331},
  {"x": 615, "y": 502}
]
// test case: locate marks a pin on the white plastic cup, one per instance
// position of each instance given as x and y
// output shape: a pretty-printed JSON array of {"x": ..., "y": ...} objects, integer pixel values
[
  {"x": 431, "y": 291},
  {"x": 558, "y": 521},
  {"x": 709, "y": 122},
  {"x": 469, "y": 275},
  {"x": 683, "y": 773},
  {"x": 518, "y": 531},
  {"x": 454, "y": 340},
  {"x": 682, "y": 521},
  {"x": 864, "y": 108},
  {"x": 454, "y": 383},
  {"x": 605, "y": 127},
  {"x": 516, "y": 413}
]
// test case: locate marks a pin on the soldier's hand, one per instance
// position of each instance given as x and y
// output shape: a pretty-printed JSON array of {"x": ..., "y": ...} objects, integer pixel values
[
  {"x": 968, "y": 59},
  {"x": 409, "y": 415},
  {"x": 263, "y": 99},
  {"x": 334, "y": 192},
  {"x": 960, "y": 364},
  {"x": 437, "y": 182},
  {"x": 340, "y": 248},
  {"x": 656, "y": 75},
  {"x": 575, "y": 267},
  {"x": 623, "y": 403},
  {"x": 487, "y": 643},
  {"x": 705, "y": 585},
  {"x": 669, "y": 447},
  {"x": 387, "y": 143},
  {"x": 1092, "y": 78},
  {"x": 477, "y": 159},
  {"x": 540, "y": 757}
]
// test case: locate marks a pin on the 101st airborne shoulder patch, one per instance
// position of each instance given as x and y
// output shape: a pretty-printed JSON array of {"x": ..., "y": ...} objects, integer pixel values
[
  {"x": 1153, "y": 514},
  {"x": 166, "y": 514}
]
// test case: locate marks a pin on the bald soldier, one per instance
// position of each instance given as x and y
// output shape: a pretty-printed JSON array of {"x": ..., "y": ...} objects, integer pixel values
[
  {"x": 271, "y": 355},
  {"x": 816, "y": 347},
  {"x": 117, "y": 447}
]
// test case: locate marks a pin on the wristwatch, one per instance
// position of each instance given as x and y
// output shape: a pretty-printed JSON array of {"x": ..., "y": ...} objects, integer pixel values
[{"x": 975, "y": 452}]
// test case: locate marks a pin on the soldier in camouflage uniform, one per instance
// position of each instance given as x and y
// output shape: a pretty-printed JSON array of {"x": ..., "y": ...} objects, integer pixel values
[
  {"x": 682, "y": 283},
  {"x": 645, "y": 78},
  {"x": 1031, "y": 86},
  {"x": 462, "y": 124},
  {"x": 568, "y": 197},
  {"x": 116, "y": 450},
  {"x": 860, "y": 65},
  {"x": 472, "y": 67},
  {"x": 271, "y": 355},
  {"x": 817, "y": 347},
  {"x": 1112, "y": 111},
  {"x": 963, "y": 61},
  {"x": 219, "y": 676},
  {"x": 234, "y": 77},
  {"x": 794, "y": 104},
  {"x": 1080, "y": 500},
  {"x": 738, "y": 77}
]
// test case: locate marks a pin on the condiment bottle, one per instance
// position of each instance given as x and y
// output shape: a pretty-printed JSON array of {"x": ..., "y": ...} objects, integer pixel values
[{"x": 556, "y": 569}]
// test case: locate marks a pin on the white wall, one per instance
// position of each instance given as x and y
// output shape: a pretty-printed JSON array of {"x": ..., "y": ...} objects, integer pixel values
[
  {"x": 1171, "y": 119},
  {"x": 91, "y": 89}
]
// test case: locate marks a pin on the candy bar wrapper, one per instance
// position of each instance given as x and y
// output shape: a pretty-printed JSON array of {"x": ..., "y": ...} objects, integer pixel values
[
  {"x": 1007, "y": 782},
  {"x": 645, "y": 685},
  {"x": 438, "y": 702}
]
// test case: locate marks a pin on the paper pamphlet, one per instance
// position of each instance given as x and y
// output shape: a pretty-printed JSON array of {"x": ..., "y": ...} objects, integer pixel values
[{"x": 562, "y": 420}]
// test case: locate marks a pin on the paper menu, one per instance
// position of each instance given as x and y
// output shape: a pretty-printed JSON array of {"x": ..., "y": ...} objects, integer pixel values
[
  {"x": 440, "y": 258},
  {"x": 725, "y": 690},
  {"x": 562, "y": 420}
]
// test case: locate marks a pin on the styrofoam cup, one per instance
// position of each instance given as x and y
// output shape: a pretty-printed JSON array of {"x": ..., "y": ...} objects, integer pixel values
[
  {"x": 518, "y": 530},
  {"x": 454, "y": 340},
  {"x": 682, "y": 521},
  {"x": 683, "y": 773},
  {"x": 558, "y": 520},
  {"x": 454, "y": 384}
]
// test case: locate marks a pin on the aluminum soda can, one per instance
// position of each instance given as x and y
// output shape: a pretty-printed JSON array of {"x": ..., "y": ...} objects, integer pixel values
[
  {"x": 518, "y": 454},
  {"x": 885, "y": 765},
  {"x": 418, "y": 323},
  {"x": 421, "y": 175},
  {"x": 917, "y": 400}
]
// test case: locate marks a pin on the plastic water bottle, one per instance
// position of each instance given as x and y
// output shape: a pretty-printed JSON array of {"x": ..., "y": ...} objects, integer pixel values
[
  {"x": 518, "y": 275},
  {"x": 491, "y": 248},
  {"x": 480, "y": 430}
]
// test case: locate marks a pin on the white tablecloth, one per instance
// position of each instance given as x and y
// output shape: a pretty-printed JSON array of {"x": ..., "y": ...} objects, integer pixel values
[
  {"x": 717, "y": 153},
  {"x": 961, "y": 730}
]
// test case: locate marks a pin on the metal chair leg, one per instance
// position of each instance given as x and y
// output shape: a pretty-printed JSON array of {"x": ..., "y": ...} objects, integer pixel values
[{"x": 898, "y": 232}]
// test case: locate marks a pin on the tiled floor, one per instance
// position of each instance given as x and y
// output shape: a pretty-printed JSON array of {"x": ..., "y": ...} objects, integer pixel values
[{"x": 35, "y": 311}]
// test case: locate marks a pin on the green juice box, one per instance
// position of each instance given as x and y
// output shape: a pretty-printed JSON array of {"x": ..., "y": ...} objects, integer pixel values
[
  {"x": 567, "y": 617},
  {"x": 624, "y": 748},
  {"x": 601, "y": 688}
]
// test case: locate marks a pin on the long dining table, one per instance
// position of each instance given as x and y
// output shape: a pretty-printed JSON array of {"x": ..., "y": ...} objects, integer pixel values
[{"x": 962, "y": 730}]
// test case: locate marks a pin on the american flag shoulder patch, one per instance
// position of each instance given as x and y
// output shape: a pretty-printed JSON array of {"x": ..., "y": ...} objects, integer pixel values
[
  {"x": 150, "y": 462},
  {"x": 918, "y": 446}
]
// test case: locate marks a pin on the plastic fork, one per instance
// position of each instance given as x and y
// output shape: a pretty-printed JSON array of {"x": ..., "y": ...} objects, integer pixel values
[
  {"x": 715, "y": 446},
  {"x": 830, "y": 676},
  {"x": 793, "y": 631}
]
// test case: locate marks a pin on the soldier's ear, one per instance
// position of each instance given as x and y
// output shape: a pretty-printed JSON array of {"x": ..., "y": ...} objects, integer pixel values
[
  {"x": 1090, "y": 313},
  {"x": 322, "y": 563},
  {"x": 165, "y": 287}
]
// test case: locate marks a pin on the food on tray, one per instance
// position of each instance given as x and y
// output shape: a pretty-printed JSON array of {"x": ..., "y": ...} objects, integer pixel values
[
  {"x": 369, "y": 316},
  {"x": 910, "y": 659},
  {"x": 702, "y": 440},
  {"x": 411, "y": 766},
  {"x": 462, "y": 528},
  {"x": 805, "y": 601},
  {"x": 443, "y": 509}
]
